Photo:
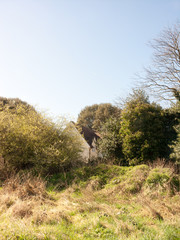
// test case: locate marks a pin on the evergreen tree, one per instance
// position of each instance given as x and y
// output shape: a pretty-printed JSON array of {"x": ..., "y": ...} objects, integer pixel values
[{"x": 146, "y": 130}]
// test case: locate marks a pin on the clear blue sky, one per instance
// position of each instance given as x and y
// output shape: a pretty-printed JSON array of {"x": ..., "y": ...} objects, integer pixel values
[{"x": 63, "y": 55}]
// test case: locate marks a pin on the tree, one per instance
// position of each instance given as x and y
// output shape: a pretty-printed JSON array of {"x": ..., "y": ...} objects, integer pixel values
[
  {"x": 163, "y": 77},
  {"x": 146, "y": 130},
  {"x": 110, "y": 144},
  {"x": 87, "y": 115},
  {"x": 94, "y": 116}
]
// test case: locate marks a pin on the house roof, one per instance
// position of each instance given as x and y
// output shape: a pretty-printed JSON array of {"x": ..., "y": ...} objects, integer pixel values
[{"x": 88, "y": 134}]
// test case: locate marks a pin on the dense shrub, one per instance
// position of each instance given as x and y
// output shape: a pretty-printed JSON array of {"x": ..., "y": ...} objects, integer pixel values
[
  {"x": 146, "y": 129},
  {"x": 30, "y": 140}
]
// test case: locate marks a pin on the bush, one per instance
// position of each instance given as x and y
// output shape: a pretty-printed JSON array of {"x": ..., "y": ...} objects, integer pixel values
[
  {"x": 30, "y": 140},
  {"x": 146, "y": 130}
]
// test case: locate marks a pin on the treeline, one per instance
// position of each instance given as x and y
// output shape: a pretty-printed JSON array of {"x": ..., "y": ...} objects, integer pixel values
[{"x": 139, "y": 132}]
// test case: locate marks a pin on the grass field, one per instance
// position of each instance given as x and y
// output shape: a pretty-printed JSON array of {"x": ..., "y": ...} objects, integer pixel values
[{"x": 100, "y": 202}]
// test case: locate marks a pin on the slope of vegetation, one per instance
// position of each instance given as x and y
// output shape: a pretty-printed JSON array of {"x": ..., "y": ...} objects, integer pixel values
[{"x": 99, "y": 202}]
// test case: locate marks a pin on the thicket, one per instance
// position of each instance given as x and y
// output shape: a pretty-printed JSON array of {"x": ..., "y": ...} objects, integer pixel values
[
  {"x": 146, "y": 129},
  {"x": 30, "y": 140},
  {"x": 142, "y": 133}
]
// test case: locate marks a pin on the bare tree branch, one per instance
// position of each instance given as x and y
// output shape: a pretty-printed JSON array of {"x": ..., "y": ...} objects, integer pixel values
[{"x": 163, "y": 76}]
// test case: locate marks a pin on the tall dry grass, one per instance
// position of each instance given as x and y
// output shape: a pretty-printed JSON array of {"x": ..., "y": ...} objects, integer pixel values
[
  {"x": 25, "y": 186},
  {"x": 89, "y": 210},
  {"x": 21, "y": 194}
]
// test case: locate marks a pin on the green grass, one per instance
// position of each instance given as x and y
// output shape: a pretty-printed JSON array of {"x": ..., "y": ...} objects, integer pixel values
[{"x": 99, "y": 202}]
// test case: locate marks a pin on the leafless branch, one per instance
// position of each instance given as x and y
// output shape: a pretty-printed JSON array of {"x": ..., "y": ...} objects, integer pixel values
[{"x": 163, "y": 76}]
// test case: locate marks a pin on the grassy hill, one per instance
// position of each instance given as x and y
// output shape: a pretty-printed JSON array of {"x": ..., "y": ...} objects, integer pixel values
[{"x": 99, "y": 202}]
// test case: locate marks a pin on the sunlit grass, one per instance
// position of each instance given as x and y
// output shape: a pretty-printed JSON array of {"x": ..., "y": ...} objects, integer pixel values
[{"x": 99, "y": 203}]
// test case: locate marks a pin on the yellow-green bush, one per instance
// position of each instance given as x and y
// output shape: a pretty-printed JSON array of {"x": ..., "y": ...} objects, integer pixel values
[{"x": 30, "y": 140}]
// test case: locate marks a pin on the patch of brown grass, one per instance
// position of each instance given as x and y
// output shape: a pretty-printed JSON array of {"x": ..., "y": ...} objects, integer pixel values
[
  {"x": 23, "y": 195},
  {"x": 6, "y": 201},
  {"x": 22, "y": 209},
  {"x": 53, "y": 216},
  {"x": 25, "y": 186}
]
